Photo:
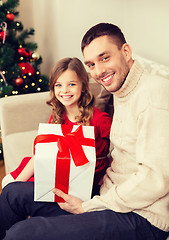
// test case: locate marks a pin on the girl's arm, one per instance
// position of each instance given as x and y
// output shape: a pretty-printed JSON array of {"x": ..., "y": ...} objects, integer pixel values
[{"x": 27, "y": 172}]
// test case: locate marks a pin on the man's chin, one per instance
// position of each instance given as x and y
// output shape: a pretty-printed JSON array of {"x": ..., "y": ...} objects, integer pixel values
[{"x": 105, "y": 87}]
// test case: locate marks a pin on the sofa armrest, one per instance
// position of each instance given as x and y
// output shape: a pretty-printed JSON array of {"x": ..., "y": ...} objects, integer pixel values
[
  {"x": 20, "y": 117},
  {"x": 23, "y": 112}
]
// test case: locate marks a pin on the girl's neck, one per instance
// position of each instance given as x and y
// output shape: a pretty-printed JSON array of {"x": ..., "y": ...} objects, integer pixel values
[{"x": 72, "y": 113}]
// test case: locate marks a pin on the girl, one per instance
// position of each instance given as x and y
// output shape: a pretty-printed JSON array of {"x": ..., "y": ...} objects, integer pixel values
[{"x": 72, "y": 103}]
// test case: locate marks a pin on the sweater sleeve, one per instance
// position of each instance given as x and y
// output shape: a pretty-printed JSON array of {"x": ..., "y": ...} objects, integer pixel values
[{"x": 151, "y": 181}]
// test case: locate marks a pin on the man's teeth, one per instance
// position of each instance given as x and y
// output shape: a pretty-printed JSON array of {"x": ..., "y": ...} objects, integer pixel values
[{"x": 108, "y": 78}]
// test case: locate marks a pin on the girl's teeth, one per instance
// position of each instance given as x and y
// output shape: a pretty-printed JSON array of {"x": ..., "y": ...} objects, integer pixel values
[{"x": 66, "y": 97}]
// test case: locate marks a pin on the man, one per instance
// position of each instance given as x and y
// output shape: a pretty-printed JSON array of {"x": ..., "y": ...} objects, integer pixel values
[{"x": 134, "y": 197}]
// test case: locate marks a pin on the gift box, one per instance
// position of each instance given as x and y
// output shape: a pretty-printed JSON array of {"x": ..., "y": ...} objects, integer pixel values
[{"x": 65, "y": 158}]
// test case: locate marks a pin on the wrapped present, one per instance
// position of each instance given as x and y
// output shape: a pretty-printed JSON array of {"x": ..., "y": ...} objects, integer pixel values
[{"x": 65, "y": 158}]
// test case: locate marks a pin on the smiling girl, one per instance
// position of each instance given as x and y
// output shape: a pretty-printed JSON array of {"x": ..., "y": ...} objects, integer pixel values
[{"x": 72, "y": 104}]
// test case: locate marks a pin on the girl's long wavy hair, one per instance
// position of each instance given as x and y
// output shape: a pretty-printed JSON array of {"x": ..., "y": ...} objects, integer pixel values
[{"x": 86, "y": 100}]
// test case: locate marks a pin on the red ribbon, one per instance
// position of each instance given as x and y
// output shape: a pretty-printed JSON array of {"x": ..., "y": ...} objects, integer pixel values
[{"x": 69, "y": 143}]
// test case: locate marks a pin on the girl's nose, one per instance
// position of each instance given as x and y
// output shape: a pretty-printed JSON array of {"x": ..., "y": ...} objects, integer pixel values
[{"x": 65, "y": 89}]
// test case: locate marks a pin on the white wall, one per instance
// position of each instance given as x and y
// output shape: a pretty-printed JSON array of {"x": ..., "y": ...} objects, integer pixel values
[{"x": 60, "y": 25}]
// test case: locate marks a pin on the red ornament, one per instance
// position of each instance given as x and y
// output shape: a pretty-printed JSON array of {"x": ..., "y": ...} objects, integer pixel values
[
  {"x": 19, "y": 81},
  {"x": 26, "y": 68},
  {"x": 2, "y": 35},
  {"x": 28, "y": 54},
  {"x": 24, "y": 53},
  {"x": 10, "y": 16},
  {"x": 21, "y": 51}
]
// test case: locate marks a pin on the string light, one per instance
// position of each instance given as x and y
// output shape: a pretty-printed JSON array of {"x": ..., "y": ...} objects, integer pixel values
[
  {"x": 40, "y": 80},
  {"x": 33, "y": 84},
  {"x": 38, "y": 88},
  {"x": 26, "y": 86},
  {"x": 37, "y": 72},
  {"x": 14, "y": 92},
  {"x": 29, "y": 74}
]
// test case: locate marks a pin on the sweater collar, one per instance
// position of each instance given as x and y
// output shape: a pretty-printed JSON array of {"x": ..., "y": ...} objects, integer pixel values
[{"x": 131, "y": 80}]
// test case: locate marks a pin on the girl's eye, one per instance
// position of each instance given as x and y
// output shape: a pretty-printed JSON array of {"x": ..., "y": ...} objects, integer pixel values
[
  {"x": 72, "y": 84},
  {"x": 57, "y": 85}
]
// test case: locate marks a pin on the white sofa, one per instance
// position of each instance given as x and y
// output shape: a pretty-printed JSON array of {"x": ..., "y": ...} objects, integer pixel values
[{"x": 20, "y": 116}]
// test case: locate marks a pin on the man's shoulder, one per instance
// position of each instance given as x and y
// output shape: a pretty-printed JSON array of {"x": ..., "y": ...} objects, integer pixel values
[{"x": 157, "y": 88}]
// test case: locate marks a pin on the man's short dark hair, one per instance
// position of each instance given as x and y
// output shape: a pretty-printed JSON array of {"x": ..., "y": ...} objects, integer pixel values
[{"x": 102, "y": 29}]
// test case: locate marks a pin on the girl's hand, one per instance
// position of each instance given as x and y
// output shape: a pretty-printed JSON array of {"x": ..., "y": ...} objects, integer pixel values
[{"x": 72, "y": 204}]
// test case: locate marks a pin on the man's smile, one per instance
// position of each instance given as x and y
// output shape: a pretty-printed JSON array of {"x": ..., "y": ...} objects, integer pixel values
[{"x": 108, "y": 79}]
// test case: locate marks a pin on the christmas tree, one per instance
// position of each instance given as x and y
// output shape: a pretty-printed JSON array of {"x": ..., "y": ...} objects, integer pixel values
[{"x": 19, "y": 62}]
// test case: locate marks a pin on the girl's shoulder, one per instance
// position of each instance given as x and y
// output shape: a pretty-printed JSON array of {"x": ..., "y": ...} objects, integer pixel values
[
  {"x": 102, "y": 123},
  {"x": 99, "y": 116}
]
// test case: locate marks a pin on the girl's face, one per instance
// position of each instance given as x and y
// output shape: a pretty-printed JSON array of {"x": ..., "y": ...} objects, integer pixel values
[{"x": 68, "y": 88}]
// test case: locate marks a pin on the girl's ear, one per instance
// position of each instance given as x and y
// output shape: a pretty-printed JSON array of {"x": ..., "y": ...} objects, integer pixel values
[
  {"x": 127, "y": 52},
  {"x": 83, "y": 89}
]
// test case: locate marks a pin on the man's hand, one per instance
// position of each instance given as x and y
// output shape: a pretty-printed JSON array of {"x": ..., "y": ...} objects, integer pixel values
[{"x": 72, "y": 204}]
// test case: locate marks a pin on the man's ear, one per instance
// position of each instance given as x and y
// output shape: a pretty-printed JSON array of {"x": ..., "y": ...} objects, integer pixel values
[{"x": 127, "y": 52}]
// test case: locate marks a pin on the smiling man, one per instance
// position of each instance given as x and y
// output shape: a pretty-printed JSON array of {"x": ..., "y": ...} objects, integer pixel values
[
  {"x": 108, "y": 62},
  {"x": 137, "y": 182},
  {"x": 134, "y": 198}
]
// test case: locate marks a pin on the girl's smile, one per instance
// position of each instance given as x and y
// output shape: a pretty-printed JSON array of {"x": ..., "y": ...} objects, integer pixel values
[{"x": 67, "y": 96}]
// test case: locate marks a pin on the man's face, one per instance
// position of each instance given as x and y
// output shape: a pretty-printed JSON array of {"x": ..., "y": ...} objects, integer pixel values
[{"x": 107, "y": 64}]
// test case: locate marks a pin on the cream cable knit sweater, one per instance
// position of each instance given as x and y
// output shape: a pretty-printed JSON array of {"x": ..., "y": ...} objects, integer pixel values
[{"x": 138, "y": 178}]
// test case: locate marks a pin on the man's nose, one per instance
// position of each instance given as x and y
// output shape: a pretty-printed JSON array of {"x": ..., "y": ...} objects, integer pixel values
[{"x": 99, "y": 70}]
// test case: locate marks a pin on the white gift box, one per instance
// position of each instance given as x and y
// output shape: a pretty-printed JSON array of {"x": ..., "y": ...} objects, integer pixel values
[{"x": 52, "y": 171}]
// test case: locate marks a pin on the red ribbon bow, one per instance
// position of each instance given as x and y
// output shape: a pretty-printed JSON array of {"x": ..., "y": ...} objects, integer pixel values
[{"x": 69, "y": 143}]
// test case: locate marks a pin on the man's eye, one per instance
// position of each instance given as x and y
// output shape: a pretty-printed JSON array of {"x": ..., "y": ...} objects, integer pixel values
[
  {"x": 91, "y": 65},
  {"x": 105, "y": 59}
]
